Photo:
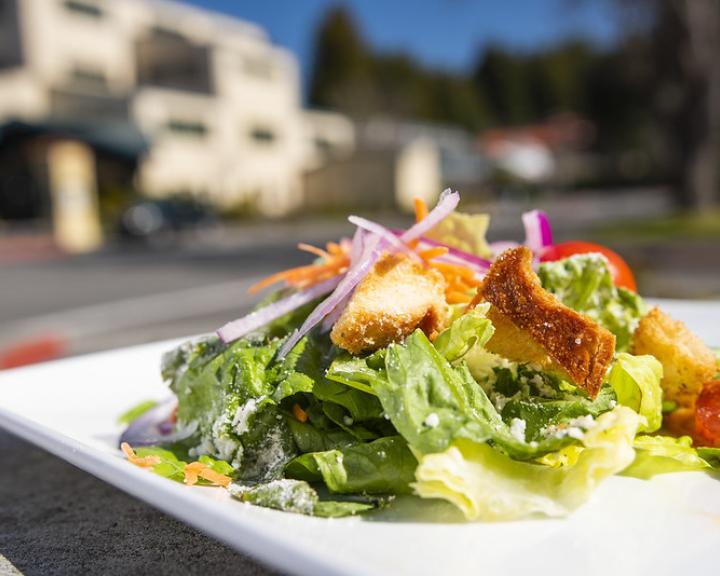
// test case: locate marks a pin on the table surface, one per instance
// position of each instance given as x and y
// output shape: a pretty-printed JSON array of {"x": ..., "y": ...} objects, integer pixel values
[{"x": 57, "y": 519}]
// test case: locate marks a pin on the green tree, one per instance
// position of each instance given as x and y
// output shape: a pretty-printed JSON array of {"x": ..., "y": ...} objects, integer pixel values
[{"x": 341, "y": 75}]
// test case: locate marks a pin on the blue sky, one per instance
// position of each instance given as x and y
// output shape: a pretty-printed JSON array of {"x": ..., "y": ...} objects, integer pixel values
[{"x": 440, "y": 33}]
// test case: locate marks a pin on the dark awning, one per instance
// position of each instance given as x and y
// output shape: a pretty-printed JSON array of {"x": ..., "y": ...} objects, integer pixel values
[{"x": 116, "y": 138}]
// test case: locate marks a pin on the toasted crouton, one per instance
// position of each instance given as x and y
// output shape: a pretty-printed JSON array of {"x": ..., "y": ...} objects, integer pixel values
[
  {"x": 513, "y": 343},
  {"x": 397, "y": 296},
  {"x": 577, "y": 344},
  {"x": 687, "y": 362}
]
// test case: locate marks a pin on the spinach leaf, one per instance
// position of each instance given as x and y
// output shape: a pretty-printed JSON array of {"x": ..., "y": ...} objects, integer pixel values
[{"x": 384, "y": 466}]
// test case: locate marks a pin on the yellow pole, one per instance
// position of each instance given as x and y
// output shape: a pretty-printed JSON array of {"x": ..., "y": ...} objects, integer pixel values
[{"x": 73, "y": 186}]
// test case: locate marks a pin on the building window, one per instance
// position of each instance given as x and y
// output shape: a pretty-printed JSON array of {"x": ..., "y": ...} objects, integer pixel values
[
  {"x": 89, "y": 78},
  {"x": 165, "y": 58},
  {"x": 263, "y": 135},
  {"x": 84, "y": 8},
  {"x": 165, "y": 32},
  {"x": 187, "y": 128}
]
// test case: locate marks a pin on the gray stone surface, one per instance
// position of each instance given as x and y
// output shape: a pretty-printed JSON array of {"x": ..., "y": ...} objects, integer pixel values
[{"x": 56, "y": 519}]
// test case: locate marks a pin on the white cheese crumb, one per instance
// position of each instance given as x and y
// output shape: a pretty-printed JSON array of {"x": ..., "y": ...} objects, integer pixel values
[
  {"x": 517, "y": 429},
  {"x": 578, "y": 341},
  {"x": 240, "y": 421},
  {"x": 585, "y": 422},
  {"x": 432, "y": 420},
  {"x": 347, "y": 420}
]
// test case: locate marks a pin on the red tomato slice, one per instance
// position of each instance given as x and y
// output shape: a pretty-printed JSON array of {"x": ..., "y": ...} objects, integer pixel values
[
  {"x": 707, "y": 414},
  {"x": 621, "y": 273}
]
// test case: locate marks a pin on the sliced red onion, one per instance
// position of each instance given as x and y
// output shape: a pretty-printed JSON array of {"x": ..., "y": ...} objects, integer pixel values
[
  {"x": 384, "y": 233},
  {"x": 371, "y": 251},
  {"x": 456, "y": 254},
  {"x": 357, "y": 246},
  {"x": 259, "y": 318},
  {"x": 335, "y": 314},
  {"x": 445, "y": 206},
  {"x": 538, "y": 233},
  {"x": 155, "y": 427},
  {"x": 498, "y": 248}
]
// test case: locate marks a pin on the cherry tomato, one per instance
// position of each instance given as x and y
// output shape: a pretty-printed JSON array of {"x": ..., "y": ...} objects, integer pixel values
[
  {"x": 621, "y": 273},
  {"x": 707, "y": 414}
]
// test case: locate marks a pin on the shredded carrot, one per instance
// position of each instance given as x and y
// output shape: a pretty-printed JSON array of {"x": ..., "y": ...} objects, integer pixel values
[
  {"x": 431, "y": 253},
  {"x": 144, "y": 462},
  {"x": 192, "y": 473},
  {"x": 313, "y": 250},
  {"x": 215, "y": 477},
  {"x": 457, "y": 297},
  {"x": 457, "y": 270},
  {"x": 196, "y": 470},
  {"x": 458, "y": 285},
  {"x": 335, "y": 260},
  {"x": 335, "y": 249},
  {"x": 299, "y": 413},
  {"x": 420, "y": 208}
]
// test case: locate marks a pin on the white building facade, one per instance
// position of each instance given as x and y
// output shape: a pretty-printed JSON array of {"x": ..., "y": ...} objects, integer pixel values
[{"x": 219, "y": 104}]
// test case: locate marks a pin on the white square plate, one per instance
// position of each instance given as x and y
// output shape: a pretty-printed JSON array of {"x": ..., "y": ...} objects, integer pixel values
[{"x": 669, "y": 525}]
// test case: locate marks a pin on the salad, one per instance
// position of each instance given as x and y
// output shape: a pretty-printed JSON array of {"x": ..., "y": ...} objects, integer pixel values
[{"x": 507, "y": 379}]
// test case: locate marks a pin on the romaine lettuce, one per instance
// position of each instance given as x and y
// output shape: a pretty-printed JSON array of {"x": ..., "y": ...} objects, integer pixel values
[
  {"x": 664, "y": 454},
  {"x": 466, "y": 332},
  {"x": 297, "y": 496},
  {"x": 486, "y": 484},
  {"x": 584, "y": 283},
  {"x": 433, "y": 403},
  {"x": 636, "y": 381},
  {"x": 384, "y": 466}
]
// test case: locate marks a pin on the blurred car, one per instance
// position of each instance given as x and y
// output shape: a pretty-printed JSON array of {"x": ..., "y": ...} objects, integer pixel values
[{"x": 162, "y": 221}]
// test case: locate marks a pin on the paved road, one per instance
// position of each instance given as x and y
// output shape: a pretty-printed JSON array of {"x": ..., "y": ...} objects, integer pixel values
[{"x": 56, "y": 519}]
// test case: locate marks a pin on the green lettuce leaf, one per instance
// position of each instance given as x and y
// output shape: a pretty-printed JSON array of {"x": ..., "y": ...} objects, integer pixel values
[
  {"x": 664, "y": 454},
  {"x": 465, "y": 232},
  {"x": 486, "y": 484},
  {"x": 710, "y": 455},
  {"x": 299, "y": 497},
  {"x": 384, "y": 466},
  {"x": 136, "y": 411},
  {"x": 311, "y": 438},
  {"x": 584, "y": 283},
  {"x": 636, "y": 381},
  {"x": 170, "y": 465},
  {"x": 465, "y": 333},
  {"x": 282, "y": 494},
  {"x": 340, "y": 509},
  {"x": 433, "y": 403}
]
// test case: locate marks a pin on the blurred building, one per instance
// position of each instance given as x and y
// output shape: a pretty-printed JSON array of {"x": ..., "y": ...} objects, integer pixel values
[
  {"x": 393, "y": 161},
  {"x": 205, "y": 104},
  {"x": 553, "y": 151}
]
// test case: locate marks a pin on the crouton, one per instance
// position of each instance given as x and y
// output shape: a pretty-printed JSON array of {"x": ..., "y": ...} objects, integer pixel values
[
  {"x": 513, "y": 343},
  {"x": 397, "y": 296},
  {"x": 579, "y": 346},
  {"x": 687, "y": 362}
]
